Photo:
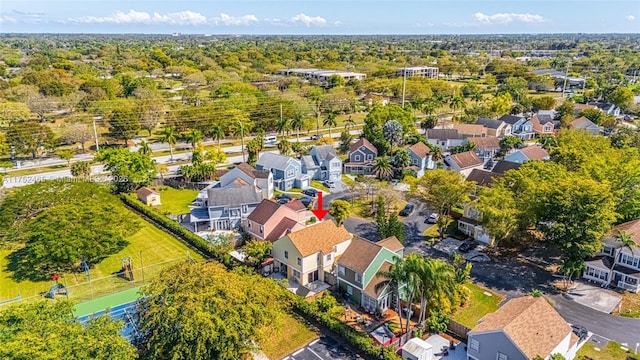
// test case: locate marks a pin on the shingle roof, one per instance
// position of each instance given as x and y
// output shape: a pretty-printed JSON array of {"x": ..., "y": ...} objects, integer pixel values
[
  {"x": 481, "y": 177},
  {"x": 324, "y": 152},
  {"x": 582, "y": 123},
  {"x": 601, "y": 262},
  {"x": 490, "y": 123},
  {"x": 280, "y": 230},
  {"x": 420, "y": 149},
  {"x": 543, "y": 118},
  {"x": 362, "y": 142},
  {"x": 145, "y": 191},
  {"x": 320, "y": 237},
  {"x": 233, "y": 196},
  {"x": 510, "y": 119},
  {"x": 466, "y": 159},
  {"x": 470, "y": 129},
  {"x": 251, "y": 171},
  {"x": 532, "y": 324},
  {"x": 308, "y": 162},
  {"x": 489, "y": 142},
  {"x": 631, "y": 227},
  {"x": 274, "y": 161},
  {"x": 295, "y": 205},
  {"x": 263, "y": 212},
  {"x": 443, "y": 134},
  {"x": 503, "y": 166},
  {"x": 362, "y": 252},
  {"x": 535, "y": 152},
  {"x": 371, "y": 287}
]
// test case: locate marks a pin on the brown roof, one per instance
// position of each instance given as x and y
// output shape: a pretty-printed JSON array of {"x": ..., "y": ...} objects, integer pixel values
[
  {"x": 631, "y": 227},
  {"x": 362, "y": 142},
  {"x": 443, "y": 134},
  {"x": 489, "y": 142},
  {"x": 531, "y": 323},
  {"x": 263, "y": 212},
  {"x": 535, "y": 152},
  {"x": 320, "y": 237},
  {"x": 503, "y": 166},
  {"x": 466, "y": 159},
  {"x": 371, "y": 287},
  {"x": 470, "y": 129},
  {"x": 251, "y": 171},
  {"x": 145, "y": 191},
  {"x": 481, "y": 177},
  {"x": 285, "y": 225},
  {"x": 580, "y": 107},
  {"x": 362, "y": 252},
  {"x": 420, "y": 149},
  {"x": 295, "y": 205}
]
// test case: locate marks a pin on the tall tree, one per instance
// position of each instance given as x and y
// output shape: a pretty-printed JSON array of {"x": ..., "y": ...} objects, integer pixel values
[
  {"x": 297, "y": 122},
  {"x": 216, "y": 132},
  {"x": 340, "y": 210},
  {"x": 168, "y": 135},
  {"x": 129, "y": 170},
  {"x": 392, "y": 131},
  {"x": 30, "y": 138},
  {"x": 194, "y": 136},
  {"x": 330, "y": 121},
  {"x": 144, "y": 148},
  {"x": 383, "y": 167},
  {"x": 78, "y": 132},
  {"x": 124, "y": 124},
  {"x": 81, "y": 169},
  {"x": 66, "y": 155}
]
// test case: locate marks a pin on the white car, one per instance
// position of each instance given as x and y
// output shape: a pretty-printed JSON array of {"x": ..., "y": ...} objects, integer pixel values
[
  {"x": 329, "y": 183},
  {"x": 433, "y": 218}
]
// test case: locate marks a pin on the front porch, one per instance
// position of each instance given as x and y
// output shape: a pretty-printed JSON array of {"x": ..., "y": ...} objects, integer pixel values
[
  {"x": 309, "y": 290},
  {"x": 626, "y": 278}
]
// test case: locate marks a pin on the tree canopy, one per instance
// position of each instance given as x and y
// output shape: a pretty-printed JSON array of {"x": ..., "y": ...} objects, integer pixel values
[{"x": 129, "y": 170}]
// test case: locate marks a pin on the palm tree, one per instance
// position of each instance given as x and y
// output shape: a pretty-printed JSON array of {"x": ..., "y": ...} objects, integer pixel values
[
  {"x": 330, "y": 121},
  {"x": 194, "y": 136},
  {"x": 285, "y": 147},
  {"x": 144, "y": 148},
  {"x": 297, "y": 122},
  {"x": 394, "y": 278},
  {"x": 349, "y": 123},
  {"x": 626, "y": 240},
  {"x": 216, "y": 132},
  {"x": 382, "y": 167},
  {"x": 457, "y": 103},
  {"x": 282, "y": 125},
  {"x": 436, "y": 153},
  {"x": 168, "y": 135},
  {"x": 437, "y": 280},
  {"x": 477, "y": 96},
  {"x": 237, "y": 129}
]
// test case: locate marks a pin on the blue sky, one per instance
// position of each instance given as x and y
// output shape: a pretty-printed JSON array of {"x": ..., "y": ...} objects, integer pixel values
[{"x": 320, "y": 16}]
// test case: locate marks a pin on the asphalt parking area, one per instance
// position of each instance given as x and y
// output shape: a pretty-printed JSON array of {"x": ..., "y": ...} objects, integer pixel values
[
  {"x": 595, "y": 297},
  {"x": 323, "y": 348}
]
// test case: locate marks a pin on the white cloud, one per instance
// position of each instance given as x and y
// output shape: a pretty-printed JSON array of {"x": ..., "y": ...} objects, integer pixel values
[
  {"x": 630, "y": 18},
  {"x": 225, "y": 19},
  {"x": 141, "y": 17},
  {"x": 180, "y": 18},
  {"x": 308, "y": 20},
  {"x": 7, "y": 19},
  {"x": 505, "y": 18}
]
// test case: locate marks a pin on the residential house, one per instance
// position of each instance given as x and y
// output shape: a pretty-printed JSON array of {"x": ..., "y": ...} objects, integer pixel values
[
  {"x": 582, "y": 123},
  {"x": 270, "y": 221},
  {"x": 287, "y": 171},
  {"x": 608, "y": 109},
  {"x": 503, "y": 166},
  {"x": 307, "y": 255},
  {"x": 485, "y": 147},
  {"x": 372, "y": 99},
  {"x": 227, "y": 208},
  {"x": 520, "y": 126},
  {"x": 470, "y": 223},
  {"x": 544, "y": 124},
  {"x": 358, "y": 268},
  {"x": 495, "y": 127},
  {"x": 522, "y": 329},
  {"x": 470, "y": 130},
  {"x": 262, "y": 179},
  {"x": 528, "y": 153},
  {"x": 360, "y": 158},
  {"x": 445, "y": 139},
  {"x": 148, "y": 196},
  {"x": 579, "y": 108},
  {"x": 482, "y": 177},
  {"x": 464, "y": 162},
  {"x": 617, "y": 265},
  {"x": 420, "y": 158},
  {"x": 322, "y": 163}
]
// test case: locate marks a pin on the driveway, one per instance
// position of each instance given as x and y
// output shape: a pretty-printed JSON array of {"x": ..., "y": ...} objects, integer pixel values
[
  {"x": 595, "y": 297},
  {"x": 324, "y": 348}
]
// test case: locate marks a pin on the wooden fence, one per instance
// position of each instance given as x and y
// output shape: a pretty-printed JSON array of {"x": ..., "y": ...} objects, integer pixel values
[{"x": 458, "y": 329}]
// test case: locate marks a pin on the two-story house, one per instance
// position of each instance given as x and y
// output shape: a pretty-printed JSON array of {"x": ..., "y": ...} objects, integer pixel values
[
  {"x": 358, "y": 268},
  {"x": 608, "y": 109},
  {"x": 470, "y": 130},
  {"x": 324, "y": 165},
  {"x": 224, "y": 208},
  {"x": 270, "y": 221},
  {"x": 464, "y": 162},
  {"x": 497, "y": 128},
  {"x": 445, "y": 139},
  {"x": 522, "y": 329},
  {"x": 520, "y": 126},
  {"x": 615, "y": 264},
  {"x": 528, "y": 153},
  {"x": 485, "y": 147},
  {"x": 469, "y": 224},
  {"x": 544, "y": 124},
  {"x": 420, "y": 158},
  {"x": 360, "y": 158},
  {"x": 261, "y": 179},
  {"x": 287, "y": 171},
  {"x": 306, "y": 255},
  {"x": 582, "y": 123}
]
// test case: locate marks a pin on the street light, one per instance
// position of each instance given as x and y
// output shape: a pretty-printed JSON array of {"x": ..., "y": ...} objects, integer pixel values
[{"x": 242, "y": 140}]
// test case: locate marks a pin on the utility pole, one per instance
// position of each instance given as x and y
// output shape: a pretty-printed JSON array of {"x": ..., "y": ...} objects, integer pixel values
[
  {"x": 95, "y": 134},
  {"x": 281, "y": 120},
  {"x": 242, "y": 139},
  {"x": 404, "y": 84},
  {"x": 566, "y": 77}
]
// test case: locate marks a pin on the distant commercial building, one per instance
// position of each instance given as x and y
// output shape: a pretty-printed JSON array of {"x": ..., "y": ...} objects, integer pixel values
[
  {"x": 323, "y": 75},
  {"x": 426, "y": 71}
]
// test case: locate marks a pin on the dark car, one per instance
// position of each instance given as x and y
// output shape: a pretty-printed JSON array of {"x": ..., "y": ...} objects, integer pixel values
[
  {"x": 467, "y": 246},
  {"x": 306, "y": 200},
  {"x": 407, "y": 210},
  {"x": 580, "y": 331},
  {"x": 283, "y": 198},
  {"x": 310, "y": 192}
]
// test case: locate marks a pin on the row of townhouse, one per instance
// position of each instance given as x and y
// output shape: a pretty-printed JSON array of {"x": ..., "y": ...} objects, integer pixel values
[{"x": 362, "y": 154}]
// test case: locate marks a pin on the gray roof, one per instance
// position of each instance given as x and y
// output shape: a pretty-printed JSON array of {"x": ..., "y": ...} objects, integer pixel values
[
  {"x": 308, "y": 162},
  {"x": 490, "y": 123},
  {"x": 324, "y": 152},
  {"x": 234, "y": 196},
  {"x": 544, "y": 118},
  {"x": 274, "y": 161},
  {"x": 443, "y": 134},
  {"x": 199, "y": 214},
  {"x": 510, "y": 119}
]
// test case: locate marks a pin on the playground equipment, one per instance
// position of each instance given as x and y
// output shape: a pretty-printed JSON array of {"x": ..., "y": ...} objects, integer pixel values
[
  {"x": 126, "y": 272},
  {"x": 56, "y": 289},
  {"x": 85, "y": 267}
]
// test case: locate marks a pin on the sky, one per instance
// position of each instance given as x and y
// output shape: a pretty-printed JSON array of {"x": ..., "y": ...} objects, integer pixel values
[{"x": 333, "y": 17}]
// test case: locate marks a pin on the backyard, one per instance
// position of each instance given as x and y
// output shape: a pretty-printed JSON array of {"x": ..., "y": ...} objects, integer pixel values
[
  {"x": 481, "y": 302},
  {"x": 288, "y": 334},
  {"x": 174, "y": 201}
]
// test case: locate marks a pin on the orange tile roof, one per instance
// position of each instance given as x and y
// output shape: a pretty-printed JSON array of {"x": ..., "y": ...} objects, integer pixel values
[
  {"x": 535, "y": 152},
  {"x": 531, "y": 323},
  {"x": 420, "y": 149},
  {"x": 466, "y": 159},
  {"x": 320, "y": 237}
]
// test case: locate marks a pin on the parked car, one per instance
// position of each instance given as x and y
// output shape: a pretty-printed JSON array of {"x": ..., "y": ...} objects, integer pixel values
[
  {"x": 314, "y": 137},
  {"x": 407, "y": 210},
  {"x": 283, "y": 198},
  {"x": 580, "y": 331},
  {"x": 329, "y": 183},
  {"x": 310, "y": 192},
  {"x": 467, "y": 246},
  {"x": 307, "y": 200},
  {"x": 432, "y": 219}
]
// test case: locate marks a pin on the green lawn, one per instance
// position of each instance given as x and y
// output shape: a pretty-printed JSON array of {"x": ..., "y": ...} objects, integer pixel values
[
  {"x": 318, "y": 185},
  {"x": 150, "y": 246},
  {"x": 347, "y": 180},
  {"x": 479, "y": 305},
  {"x": 289, "y": 334},
  {"x": 612, "y": 351},
  {"x": 176, "y": 201}
]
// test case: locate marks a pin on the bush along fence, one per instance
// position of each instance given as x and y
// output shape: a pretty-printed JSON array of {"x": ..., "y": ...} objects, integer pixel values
[{"x": 353, "y": 338}]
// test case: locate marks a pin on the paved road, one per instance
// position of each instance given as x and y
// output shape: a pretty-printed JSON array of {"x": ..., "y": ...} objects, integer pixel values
[{"x": 324, "y": 348}]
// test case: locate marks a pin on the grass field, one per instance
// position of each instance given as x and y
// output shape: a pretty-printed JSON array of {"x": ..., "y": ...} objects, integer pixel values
[
  {"x": 176, "y": 201},
  {"x": 630, "y": 305},
  {"x": 150, "y": 247},
  {"x": 479, "y": 305},
  {"x": 287, "y": 335},
  {"x": 612, "y": 351}
]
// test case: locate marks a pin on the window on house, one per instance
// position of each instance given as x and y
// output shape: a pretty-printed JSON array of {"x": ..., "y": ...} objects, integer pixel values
[
  {"x": 341, "y": 270},
  {"x": 299, "y": 261},
  {"x": 290, "y": 173},
  {"x": 249, "y": 225},
  {"x": 261, "y": 229},
  {"x": 358, "y": 278},
  {"x": 296, "y": 273},
  {"x": 474, "y": 345},
  {"x": 328, "y": 257},
  {"x": 502, "y": 356},
  {"x": 349, "y": 290},
  {"x": 370, "y": 157},
  {"x": 356, "y": 157},
  {"x": 286, "y": 254},
  {"x": 245, "y": 209}
]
